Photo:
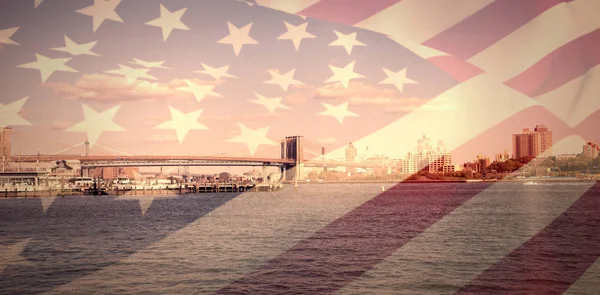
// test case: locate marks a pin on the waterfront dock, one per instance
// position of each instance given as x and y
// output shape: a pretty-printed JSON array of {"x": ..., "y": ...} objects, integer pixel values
[{"x": 37, "y": 191}]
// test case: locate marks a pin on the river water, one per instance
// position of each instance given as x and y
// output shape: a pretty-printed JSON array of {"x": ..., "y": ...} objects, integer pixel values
[{"x": 502, "y": 238}]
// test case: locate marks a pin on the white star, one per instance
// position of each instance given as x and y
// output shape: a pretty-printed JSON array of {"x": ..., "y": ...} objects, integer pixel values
[
  {"x": 48, "y": 66},
  {"x": 168, "y": 21},
  {"x": 101, "y": 11},
  {"x": 339, "y": 112},
  {"x": 200, "y": 91},
  {"x": 296, "y": 34},
  {"x": 252, "y": 138},
  {"x": 131, "y": 74},
  {"x": 6, "y": 34},
  {"x": 398, "y": 79},
  {"x": 9, "y": 114},
  {"x": 77, "y": 49},
  {"x": 144, "y": 201},
  {"x": 344, "y": 75},
  {"x": 247, "y": 2},
  {"x": 47, "y": 202},
  {"x": 12, "y": 255},
  {"x": 348, "y": 41},
  {"x": 284, "y": 81},
  {"x": 216, "y": 73},
  {"x": 183, "y": 123},
  {"x": 148, "y": 64},
  {"x": 238, "y": 37},
  {"x": 37, "y": 3},
  {"x": 270, "y": 103},
  {"x": 94, "y": 123}
]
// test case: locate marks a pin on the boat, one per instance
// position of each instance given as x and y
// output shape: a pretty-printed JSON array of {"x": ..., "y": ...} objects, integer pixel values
[{"x": 530, "y": 183}]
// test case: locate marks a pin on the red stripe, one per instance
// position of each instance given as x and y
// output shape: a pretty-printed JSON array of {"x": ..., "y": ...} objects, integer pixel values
[
  {"x": 353, "y": 244},
  {"x": 588, "y": 129},
  {"x": 499, "y": 137},
  {"x": 552, "y": 260},
  {"x": 559, "y": 67},
  {"x": 489, "y": 25},
  {"x": 346, "y": 12},
  {"x": 458, "y": 68}
]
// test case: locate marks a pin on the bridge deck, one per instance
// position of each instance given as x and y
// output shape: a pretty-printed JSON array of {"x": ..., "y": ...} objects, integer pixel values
[{"x": 146, "y": 161}]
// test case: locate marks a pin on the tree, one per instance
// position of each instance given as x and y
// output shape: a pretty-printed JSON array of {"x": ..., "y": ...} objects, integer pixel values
[{"x": 312, "y": 175}]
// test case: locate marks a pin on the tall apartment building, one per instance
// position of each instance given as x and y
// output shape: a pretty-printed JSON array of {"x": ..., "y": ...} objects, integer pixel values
[
  {"x": 591, "y": 150},
  {"x": 351, "y": 153},
  {"x": 437, "y": 159},
  {"x": 537, "y": 143},
  {"x": 5, "y": 143},
  {"x": 545, "y": 139}
]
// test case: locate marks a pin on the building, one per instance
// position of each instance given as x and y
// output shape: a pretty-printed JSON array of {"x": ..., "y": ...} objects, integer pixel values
[
  {"x": 545, "y": 139},
  {"x": 591, "y": 150},
  {"x": 484, "y": 161},
  {"x": 502, "y": 157},
  {"x": 351, "y": 153},
  {"x": 533, "y": 144},
  {"x": 440, "y": 163},
  {"x": 378, "y": 160},
  {"x": 436, "y": 159},
  {"x": 66, "y": 168},
  {"x": 5, "y": 143},
  {"x": 116, "y": 172},
  {"x": 526, "y": 144}
]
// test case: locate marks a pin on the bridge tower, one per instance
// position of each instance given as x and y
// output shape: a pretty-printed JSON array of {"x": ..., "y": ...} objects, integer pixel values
[{"x": 292, "y": 149}]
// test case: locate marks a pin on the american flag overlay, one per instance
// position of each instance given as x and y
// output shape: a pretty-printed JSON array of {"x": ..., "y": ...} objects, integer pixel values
[{"x": 235, "y": 77}]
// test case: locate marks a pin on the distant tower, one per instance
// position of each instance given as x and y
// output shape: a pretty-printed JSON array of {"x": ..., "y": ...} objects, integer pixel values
[
  {"x": 87, "y": 148},
  {"x": 5, "y": 143},
  {"x": 350, "y": 153},
  {"x": 424, "y": 145}
]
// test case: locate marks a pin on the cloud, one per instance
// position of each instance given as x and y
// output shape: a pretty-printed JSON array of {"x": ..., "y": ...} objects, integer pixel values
[
  {"x": 61, "y": 124},
  {"x": 100, "y": 87},
  {"x": 242, "y": 117},
  {"x": 361, "y": 94},
  {"x": 355, "y": 89},
  {"x": 176, "y": 83},
  {"x": 162, "y": 139},
  {"x": 298, "y": 98},
  {"x": 328, "y": 140}
]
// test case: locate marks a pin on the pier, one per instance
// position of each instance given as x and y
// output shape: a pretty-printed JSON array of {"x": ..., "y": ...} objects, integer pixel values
[{"x": 197, "y": 188}]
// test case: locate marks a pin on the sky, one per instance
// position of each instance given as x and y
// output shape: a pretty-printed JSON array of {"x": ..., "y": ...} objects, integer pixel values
[{"x": 209, "y": 78}]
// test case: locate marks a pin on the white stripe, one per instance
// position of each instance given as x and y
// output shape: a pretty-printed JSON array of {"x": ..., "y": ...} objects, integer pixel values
[
  {"x": 588, "y": 282},
  {"x": 289, "y": 6},
  {"x": 444, "y": 255},
  {"x": 547, "y": 32},
  {"x": 412, "y": 22},
  {"x": 229, "y": 242},
  {"x": 456, "y": 116},
  {"x": 576, "y": 100},
  {"x": 419, "y": 20}
]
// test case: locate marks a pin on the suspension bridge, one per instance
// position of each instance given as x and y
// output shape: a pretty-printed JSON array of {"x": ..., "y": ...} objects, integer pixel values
[{"x": 294, "y": 151}]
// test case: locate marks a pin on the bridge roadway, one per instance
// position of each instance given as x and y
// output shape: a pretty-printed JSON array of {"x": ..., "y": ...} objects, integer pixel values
[
  {"x": 147, "y": 161},
  {"x": 144, "y": 161}
]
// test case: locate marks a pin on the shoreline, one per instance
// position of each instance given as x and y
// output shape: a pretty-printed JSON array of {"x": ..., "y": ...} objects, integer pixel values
[
  {"x": 450, "y": 181},
  {"x": 45, "y": 192}
]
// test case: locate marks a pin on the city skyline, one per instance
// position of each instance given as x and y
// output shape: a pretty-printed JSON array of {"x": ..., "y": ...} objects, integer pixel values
[
  {"x": 146, "y": 100},
  {"x": 125, "y": 85},
  {"x": 363, "y": 153}
]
